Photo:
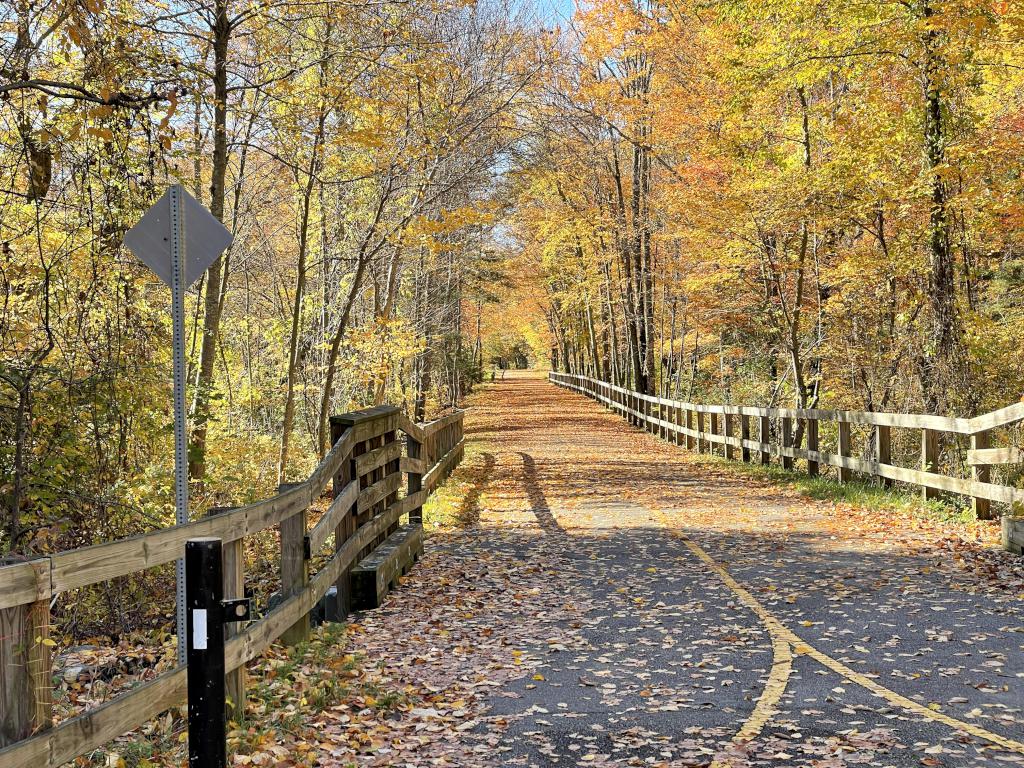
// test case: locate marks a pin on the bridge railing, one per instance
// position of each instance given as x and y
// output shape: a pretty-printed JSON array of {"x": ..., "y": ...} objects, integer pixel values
[
  {"x": 365, "y": 466},
  {"x": 751, "y": 434}
]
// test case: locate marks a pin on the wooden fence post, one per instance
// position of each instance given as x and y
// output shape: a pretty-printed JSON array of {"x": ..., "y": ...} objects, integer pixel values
[
  {"x": 787, "y": 441},
  {"x": 391, "y": 468},
  {"x": 764, "y": 434},
  {"x": 414, "y": 450},
  {"x": 346, "y": 526},
  {"x": 677, "y": 419},
  {"x": 728, "y": 427},
  {"x": 713, "y": 429},
  {"x": 929, "y": 460},
  {"x": 883, "y": 450},
  {"x": 981, "y": 473},
  {"x": 26, "y": 666},
  {"x": 812, "y": 445},
  {"x": 702, "y": 444},
  {"x": 691, "y": 441},
  {"x": 233, "y": 563},
  {"x": 845, "y": 473},
  {"x": 233, "y": 568},
  {"x": 744, "y": 437},
  {"x": 294, "y": 569}
]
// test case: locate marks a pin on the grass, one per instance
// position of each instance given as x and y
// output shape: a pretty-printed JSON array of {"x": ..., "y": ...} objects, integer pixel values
[
  {"x": 454, "y": 504},
  {"x": 856, "y": 493}
]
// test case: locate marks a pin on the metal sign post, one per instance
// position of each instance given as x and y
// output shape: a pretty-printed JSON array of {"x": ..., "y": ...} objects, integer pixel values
[
  {"x": 180, "y": 447},
  {"x": 178, "y": 253}
]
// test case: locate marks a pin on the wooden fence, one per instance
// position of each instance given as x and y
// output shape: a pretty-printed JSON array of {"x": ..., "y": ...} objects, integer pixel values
[
  {"x": 366, "y": 464},
  {"x": 701, "y": 427}
]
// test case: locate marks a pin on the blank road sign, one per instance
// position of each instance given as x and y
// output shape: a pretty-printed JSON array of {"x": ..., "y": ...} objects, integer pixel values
[{"x": 205, "y": 238}]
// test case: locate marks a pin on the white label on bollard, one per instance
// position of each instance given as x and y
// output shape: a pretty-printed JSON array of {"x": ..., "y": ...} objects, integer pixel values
[{"x": 199, "y": 629}]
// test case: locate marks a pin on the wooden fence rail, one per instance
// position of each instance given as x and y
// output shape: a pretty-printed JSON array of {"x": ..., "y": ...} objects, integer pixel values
[
  {"x": 365, "y": 465},
  {"x": 701, "y": 427}
]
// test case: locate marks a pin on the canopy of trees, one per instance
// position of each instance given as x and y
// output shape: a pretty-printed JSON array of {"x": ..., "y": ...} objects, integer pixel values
[
  {"x": 785, "y": 202},
  {"x": 351, "y": 148}
]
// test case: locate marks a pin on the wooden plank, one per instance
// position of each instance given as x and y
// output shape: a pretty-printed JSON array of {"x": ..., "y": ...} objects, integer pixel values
[
  {"x": 677, "y": 420},
  {"x": 329, "y": 465},
  {"x": 23, "y": 583},
  {"x": 33, "y": 752},
  {"x": 378, "y": 457},
  {"x": 346, "y": 522},
  {"x": 375, "y": 493},
  {"x": 102, "y": 562},
  {"x": 375, "y": 574},
  {"x": 124, "y": 714},
  {"x": 890, "y": 472},
  {"x": 982, "y": 455},
  {"x": 440, "y": 470},
  {"x": 91, "y": 730},
  {"x": 412, "y": 465},
  {"x": 1001, "y": 418},
  {"x": 413, "y": 430},
  {"x": 435, "y": 426},
  {"x": 339, "y": 507},
  {"x": 621, "y": 400},
  {"x": 259, "y": 635}
]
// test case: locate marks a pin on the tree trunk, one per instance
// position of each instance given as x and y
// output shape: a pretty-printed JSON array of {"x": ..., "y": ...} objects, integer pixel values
[
  {"x": 941, "y": 357},
  {"x": 215, "y": 275}
]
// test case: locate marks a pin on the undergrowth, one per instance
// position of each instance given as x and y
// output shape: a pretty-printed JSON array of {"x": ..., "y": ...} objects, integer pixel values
[{"x": 285, "y": 689}]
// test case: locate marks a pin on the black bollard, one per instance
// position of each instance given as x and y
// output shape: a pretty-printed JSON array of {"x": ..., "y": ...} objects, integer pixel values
[{"x": 207, "y": 730}]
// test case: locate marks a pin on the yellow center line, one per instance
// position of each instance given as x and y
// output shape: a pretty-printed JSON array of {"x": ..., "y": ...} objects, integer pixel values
[
  {"x": 782, "y": 666},
  {"x": 767, "y": 704}
]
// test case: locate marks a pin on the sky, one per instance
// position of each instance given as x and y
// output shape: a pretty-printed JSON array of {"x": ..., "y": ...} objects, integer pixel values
[{"x": 554, "y": 11}]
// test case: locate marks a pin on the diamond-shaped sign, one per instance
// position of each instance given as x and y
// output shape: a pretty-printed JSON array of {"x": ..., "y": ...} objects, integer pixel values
[{"x": 205, "y": 238}]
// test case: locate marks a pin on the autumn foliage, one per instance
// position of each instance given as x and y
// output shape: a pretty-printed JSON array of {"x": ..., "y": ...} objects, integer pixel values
[{"x": 787, "y": 202}]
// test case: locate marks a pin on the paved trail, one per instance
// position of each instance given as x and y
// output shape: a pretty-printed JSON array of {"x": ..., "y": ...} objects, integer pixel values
[{"x": 612, "y": 600}]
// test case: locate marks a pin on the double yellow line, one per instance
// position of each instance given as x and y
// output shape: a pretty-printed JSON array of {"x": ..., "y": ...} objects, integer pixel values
[{"x": 786, "y": 644}]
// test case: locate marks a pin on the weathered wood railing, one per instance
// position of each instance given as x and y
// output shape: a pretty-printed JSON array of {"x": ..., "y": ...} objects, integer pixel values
[
  {"x": 366, "y": 464},
  {"x": 700, "y": 427}
]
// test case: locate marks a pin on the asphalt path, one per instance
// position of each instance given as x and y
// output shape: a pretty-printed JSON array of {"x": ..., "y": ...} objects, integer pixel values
[{"x": 693, "y": 615}]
